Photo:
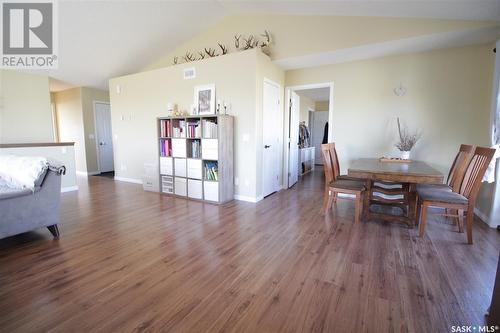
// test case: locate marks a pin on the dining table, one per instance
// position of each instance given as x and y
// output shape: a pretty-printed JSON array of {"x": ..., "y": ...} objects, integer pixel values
[{"x": 409, "y": 172}]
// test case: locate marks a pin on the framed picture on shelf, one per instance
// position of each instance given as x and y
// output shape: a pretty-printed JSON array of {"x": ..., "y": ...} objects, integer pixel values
[{"x": 204, "y": 97}]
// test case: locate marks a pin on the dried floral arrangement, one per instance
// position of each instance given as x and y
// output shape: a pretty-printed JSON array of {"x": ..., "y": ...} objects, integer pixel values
[
  {"x": 241, "y": 43},
  {"x": 407, "y": 140}
]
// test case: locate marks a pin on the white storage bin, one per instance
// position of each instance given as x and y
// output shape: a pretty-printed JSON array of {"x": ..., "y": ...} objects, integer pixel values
[
  {"x": 194, "y": 169},
  {"x": 179, "y": 147},
  {"x": 180, "y": 186},
  {"x": 209, "y": 149},
  {"x": 180, "y": 167},
  {"x": 166, "y": 166},
  {"x": 167, "y": 184},
  {"x": 195, "y": 189},
  {"x": 211, "y": 190}
]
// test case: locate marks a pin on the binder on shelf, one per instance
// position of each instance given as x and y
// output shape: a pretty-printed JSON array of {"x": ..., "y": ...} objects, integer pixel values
[
  {"x": 209, "y": 129},
  {"x": 211, "y": 171}
]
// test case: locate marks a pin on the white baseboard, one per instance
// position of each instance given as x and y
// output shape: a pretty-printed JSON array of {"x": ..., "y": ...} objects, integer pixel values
[
  {"x": 85, "y": 173},
  {"x": 483, "y": 217},
  {"x": 247, "y": 198},
  {"x": 129, "y": 180},
  {"x": 69, "y": 189}
]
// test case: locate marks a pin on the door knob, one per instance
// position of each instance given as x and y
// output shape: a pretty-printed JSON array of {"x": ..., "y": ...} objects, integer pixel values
[{"x": 267, "y": 146}]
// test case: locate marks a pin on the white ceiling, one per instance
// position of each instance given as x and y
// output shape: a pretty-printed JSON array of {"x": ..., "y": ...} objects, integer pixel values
[
  {"x": 99, "y": 40},
  {"x": 316, "y": 94}
]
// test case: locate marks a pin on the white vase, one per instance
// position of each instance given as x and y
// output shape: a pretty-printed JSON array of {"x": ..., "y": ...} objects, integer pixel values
[{"x": 405, "y": 155}]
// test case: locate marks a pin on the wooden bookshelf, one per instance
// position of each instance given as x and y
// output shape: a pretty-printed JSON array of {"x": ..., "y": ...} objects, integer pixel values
[{"x": 196, "y": 157}]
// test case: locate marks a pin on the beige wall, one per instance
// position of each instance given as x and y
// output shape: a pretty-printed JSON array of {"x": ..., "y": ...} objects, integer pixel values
[
  {"x": 448, "y": 99},
  {"x": 144, "y": 96},
  {"x": 75, "y": 118},
  {"x": 301, "y": 35},
  {"x": 306, "y": 104},
  {"x": 321, "y": 105},
  {"x": 25, "y": 112},
  {"x": 70, "y": 123}
]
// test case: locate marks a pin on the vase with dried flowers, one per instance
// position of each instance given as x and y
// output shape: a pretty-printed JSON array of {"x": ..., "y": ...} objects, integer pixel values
[{"x": 406, "y": 141}]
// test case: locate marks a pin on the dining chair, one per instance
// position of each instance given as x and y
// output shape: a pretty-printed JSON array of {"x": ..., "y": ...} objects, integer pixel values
[
  {"x": 456, "y": 173},
  {"x": 335, "y": 184},
  {"x": 463, "y": 201},
  {"x": 454, "y": 180}
]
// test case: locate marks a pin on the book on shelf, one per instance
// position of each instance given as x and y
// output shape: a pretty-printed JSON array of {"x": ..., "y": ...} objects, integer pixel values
[
  {"x": 165, "y": 148},
  {"x": 193, "y": 129},
  {"x": 209, "y": 129},
  {"x": 195, "y": 149},
  {"x": 179, "y": 129},
  {"x": 211, "y": 171},
  {"x": 165, "y": 128}
]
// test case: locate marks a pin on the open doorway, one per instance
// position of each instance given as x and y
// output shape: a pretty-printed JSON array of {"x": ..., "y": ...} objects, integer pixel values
[{"x": 309, "y": 120}]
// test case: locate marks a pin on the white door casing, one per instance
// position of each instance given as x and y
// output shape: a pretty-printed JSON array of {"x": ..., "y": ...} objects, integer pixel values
[
  {"x": 104, "y": 137},
  {"x": 271, "y": 135},
  {"x": 293, "y": 132}
]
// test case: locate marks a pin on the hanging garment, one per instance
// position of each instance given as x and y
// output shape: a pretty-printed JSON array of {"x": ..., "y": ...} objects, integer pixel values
[
  {"x": 304, "y": 136},
  {"x": 325, "y": 134}
]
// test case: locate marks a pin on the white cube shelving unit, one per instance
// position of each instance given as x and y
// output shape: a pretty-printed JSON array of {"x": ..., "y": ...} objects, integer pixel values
[{"x": 196, "y": 157}]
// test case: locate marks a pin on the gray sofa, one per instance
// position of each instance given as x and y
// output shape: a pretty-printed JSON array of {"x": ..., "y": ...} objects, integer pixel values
[{"x": 25, "y": 210}]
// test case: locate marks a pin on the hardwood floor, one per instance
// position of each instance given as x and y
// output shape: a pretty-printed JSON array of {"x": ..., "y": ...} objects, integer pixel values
[{"x": 129, "y": 260}]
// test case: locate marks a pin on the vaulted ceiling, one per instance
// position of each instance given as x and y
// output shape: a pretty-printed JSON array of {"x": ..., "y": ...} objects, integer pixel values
[{"x": 99, "y": 40}]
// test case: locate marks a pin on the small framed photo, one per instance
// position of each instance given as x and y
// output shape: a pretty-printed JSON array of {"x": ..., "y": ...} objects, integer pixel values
[{"x": 204, "y": 98}]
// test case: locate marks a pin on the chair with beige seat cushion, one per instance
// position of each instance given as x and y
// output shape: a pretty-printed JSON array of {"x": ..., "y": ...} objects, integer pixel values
[
  {"x": 335, "y": 184},
  {"x": 463, "y": 201}
]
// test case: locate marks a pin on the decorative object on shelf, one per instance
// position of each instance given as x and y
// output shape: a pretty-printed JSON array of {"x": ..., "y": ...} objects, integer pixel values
[
  {"x": 204, "y": 97},
  {"x": 211, "y": 52},
  {"x": 241, "y": 43},
  {"x": 223, "y": 48},
  {"x": 400, "y": 90},
  {"x": 188, "y": 57},
  {"x": 406, "y": 141},
  {"x": 225, "y": 108},
  {"x": 218, "y": 106},
  {"x": 237, "y": 41},
  {"x": 194, "y": 109}
]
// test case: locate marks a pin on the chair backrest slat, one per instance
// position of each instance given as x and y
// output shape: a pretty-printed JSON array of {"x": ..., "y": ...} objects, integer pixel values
[
  {"x": 326, "y": 149},
  {"x": 459, "y": 166},
  {"x": 474, "y": 173}
]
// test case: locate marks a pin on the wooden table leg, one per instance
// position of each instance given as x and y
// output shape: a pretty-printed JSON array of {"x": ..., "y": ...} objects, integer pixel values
[
  {"x": 367, "y": 199},
  {"x": 412, "y": 201}
]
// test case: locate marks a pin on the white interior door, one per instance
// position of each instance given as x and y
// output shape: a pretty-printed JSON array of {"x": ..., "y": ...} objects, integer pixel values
[
  {"x": 104, "y": 137},
  {"x": 271, "y": 138},
  {"x": 293, "y": 132},
  {"x": 319, "y": 120}
]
